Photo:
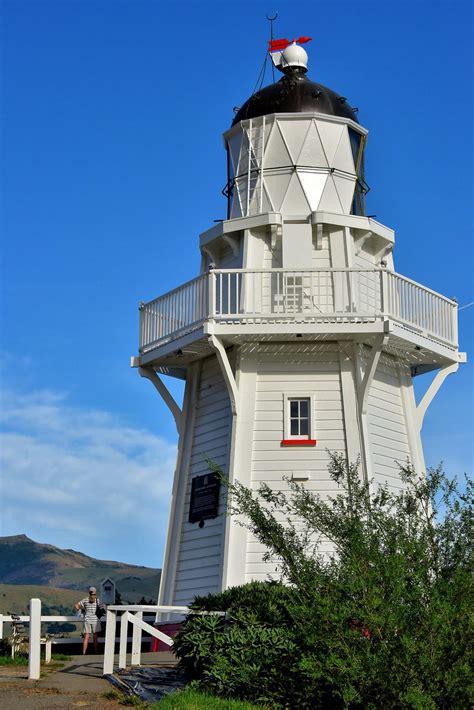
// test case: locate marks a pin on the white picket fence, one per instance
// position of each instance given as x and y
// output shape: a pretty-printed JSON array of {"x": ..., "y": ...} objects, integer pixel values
[
  {"x": 129, "y": 614},
  {"x": 35, "y": 638},
  {"x": 124, "y": 614}
]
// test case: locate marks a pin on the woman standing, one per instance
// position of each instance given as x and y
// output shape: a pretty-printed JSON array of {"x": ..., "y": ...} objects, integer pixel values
[{"x": 89, "y": 606}]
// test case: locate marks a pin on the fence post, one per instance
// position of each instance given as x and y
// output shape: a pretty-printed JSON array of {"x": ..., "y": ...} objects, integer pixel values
[
  {"x": 137, "y": 641},
  {"x": 34, "y": 644},
  {"x": 109, "y": 650},
  {"x": 47, "y": 651},
  {"x": 1, "y": 626},
  {"x": 123, "y": 640}
]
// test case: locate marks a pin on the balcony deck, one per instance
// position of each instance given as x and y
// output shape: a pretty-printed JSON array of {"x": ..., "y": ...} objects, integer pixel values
[{"x": 280, "y": 304}]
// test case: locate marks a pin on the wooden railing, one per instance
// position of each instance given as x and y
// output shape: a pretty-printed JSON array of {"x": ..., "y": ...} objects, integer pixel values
[
  {"x": 174, "y": 312},
  {"x": 128, "y": 614},
  {"x": 35, "y": 637},
  {"x": 133, "y": 614},
  {"x": 239, "y": 296}
]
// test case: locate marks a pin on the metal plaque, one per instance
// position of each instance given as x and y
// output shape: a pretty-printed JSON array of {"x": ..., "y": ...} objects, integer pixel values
[{"x": 204, "y": 498}]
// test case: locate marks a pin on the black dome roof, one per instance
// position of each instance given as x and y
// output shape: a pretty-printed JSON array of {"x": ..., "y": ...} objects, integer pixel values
[{"x": 294, "y": 93}]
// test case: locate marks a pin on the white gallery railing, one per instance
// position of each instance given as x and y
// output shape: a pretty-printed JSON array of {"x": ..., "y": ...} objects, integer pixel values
[{"x": 240, "y": 296}]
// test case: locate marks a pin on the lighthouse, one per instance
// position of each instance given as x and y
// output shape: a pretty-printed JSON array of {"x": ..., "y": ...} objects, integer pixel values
[{"x": 298, "y": 337}]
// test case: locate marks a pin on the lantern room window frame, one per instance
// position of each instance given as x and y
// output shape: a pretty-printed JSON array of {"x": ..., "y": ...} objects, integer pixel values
[{"x": 298, "y": 421}]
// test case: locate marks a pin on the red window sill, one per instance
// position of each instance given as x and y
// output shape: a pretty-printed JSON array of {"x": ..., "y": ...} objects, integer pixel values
[{"x": 298, "y": 442}]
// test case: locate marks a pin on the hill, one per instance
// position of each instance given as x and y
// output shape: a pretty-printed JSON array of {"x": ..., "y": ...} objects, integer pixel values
[
  {"x": 15, "y": 598},
  {"x": 26, "y": 562}
]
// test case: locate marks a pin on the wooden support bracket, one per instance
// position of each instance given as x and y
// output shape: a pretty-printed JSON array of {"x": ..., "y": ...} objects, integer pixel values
[
  {"x": 376, "y": 351},
  {"x": 432, "y": 391},
  {"x": 383, "y": 252},
  {"x": 229, "y": 378},
  {"x": 275, "y": 233},
  {"x": 233, "y": 243},
  {"x": 360, "y": 241},
  {"x": 319, "y": 236},
  {"x": 168, "y": 399},
  {"x": 207, "y": 249}
]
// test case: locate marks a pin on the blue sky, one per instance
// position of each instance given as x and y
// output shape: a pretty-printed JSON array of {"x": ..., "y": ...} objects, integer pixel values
[{"x": 113, "y": 163}]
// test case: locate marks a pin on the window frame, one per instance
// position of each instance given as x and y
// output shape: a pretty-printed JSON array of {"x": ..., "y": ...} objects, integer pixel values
[{"x": 290, "y": 439}]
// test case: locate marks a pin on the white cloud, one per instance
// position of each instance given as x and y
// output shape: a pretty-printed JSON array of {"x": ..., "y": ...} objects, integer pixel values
[{"x": 80, "y": 478}]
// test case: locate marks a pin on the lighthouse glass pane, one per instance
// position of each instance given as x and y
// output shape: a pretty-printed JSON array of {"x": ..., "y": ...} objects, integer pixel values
[
  {"x": 355, "y": 139},
  {"x": 358, "y": 204}
]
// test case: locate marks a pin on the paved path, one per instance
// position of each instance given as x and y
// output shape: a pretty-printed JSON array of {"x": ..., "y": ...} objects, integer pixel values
[{"x": 78, "y": 684}]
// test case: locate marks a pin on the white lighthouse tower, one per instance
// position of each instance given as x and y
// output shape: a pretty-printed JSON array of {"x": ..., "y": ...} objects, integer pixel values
[{"x": 297, "y": 337}]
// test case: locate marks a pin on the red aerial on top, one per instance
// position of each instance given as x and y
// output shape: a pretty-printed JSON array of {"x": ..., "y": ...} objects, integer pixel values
[{"x": 277, "y": 45}]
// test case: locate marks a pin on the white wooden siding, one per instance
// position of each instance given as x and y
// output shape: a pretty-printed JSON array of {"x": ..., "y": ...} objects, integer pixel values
[
  {"x": 387, "y": 422},
  {"x": 321, "y": 258},
  {"x": 272, "y": 258},
  {"x": 199, "y": 566},
  {"x": 369, "y": 287},
  {"x": 309, "y": 369}
]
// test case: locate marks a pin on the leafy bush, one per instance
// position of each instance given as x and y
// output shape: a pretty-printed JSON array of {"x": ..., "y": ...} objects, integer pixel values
[
  {"x": 228, "y": 657},
  {"x": 383, "y": 621}
]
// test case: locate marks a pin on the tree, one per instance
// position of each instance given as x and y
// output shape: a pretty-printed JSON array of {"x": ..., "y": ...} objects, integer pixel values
[{"x": 381, "y": 621}]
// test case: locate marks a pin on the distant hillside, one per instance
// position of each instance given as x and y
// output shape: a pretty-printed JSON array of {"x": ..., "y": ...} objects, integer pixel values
[
  {"x": 15, "y": 598},
  {"x": 26, "y": 562}
]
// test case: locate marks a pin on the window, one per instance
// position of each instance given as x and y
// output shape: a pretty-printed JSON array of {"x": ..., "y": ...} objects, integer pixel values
[
  {"x": 299, "y": 417},
  {"x": 294, "y": 294},
  {"x": 298, "y": 429}
]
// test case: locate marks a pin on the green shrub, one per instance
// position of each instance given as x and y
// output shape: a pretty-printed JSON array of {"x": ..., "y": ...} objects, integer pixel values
[
  {"x": 382, "y": 622},
  {"x": 226, "y": 653}
]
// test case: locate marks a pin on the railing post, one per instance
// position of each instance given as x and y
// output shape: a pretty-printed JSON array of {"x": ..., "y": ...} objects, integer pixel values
[
  {"x": 123, "y": 640},
  {"x": 137, "y": 641},
  {"x": 454, "y": 324},
  {"x": 384, "y": 306},
  {"x": 212, "y": 294},
  {"x": 34, "y": 641},
  {"x": 109, "y": 650},
  {"x": 141, "y": 334}
]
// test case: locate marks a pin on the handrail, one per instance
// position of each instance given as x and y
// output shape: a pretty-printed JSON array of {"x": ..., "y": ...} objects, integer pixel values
[
  {"x": 35, "y": 618},
  {"x": 133, "y": 614},
  {"x": 233, "y": 296},
  {"x": 139, "y": 625}
]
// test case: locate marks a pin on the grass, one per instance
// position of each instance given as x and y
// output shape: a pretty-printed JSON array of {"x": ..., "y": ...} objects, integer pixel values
[
  {"x": 126, "y": 700},
  {"x": 187, "y": 699},
  {"x": 16, "y": 597},
  {"x": 190, "y": 699},
  {"x": 19, "y": 660},
  {"x": 22, "y": 659}
]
